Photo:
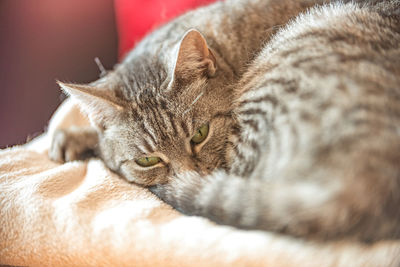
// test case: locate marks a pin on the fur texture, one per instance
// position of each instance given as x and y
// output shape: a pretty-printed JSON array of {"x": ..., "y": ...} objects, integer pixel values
[{"x": 304, "y": 130}]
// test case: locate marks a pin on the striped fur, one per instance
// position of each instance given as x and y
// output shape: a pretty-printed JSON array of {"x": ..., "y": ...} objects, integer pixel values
[
  {"x": 304, "y": 124},
  {"x": 146, "y": 107},
  {"x": 319, "y": 148}
]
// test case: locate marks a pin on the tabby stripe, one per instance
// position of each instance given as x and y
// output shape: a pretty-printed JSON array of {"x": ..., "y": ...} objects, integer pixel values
[
  {"x": 235, "y": 130},
  {"x": 307, "y": 59},
  {"x": 266, "y": 98},
  {"x": 147, "y": 146},
  {"x": 249, "y": 80},
  {"x": 163, "y": 103},
  {"x": 253, "y": 111},
  {"x": 215, "y": 196},
  {"x": 374, "y": 109},
  {"x": 222, "y": 114},
  {"x": 253, "y": 124},
  {"x": 295, "y": 134},
  {"x": 290, "y": 86},
  {"x": 185, "y": 129},
  {"x": 313, "y": 35},
  {"x": 155, "y": 121},
  {"x": 136, "y": 116},
  {"x": 289, "y": 52},
  {"x": 307, "y": 95},
  {"x": 345, "y": 37},
  {"x": 148, "y": 133},
  {"x": 136, "y": 82},
  {"x": 127, "y": 84},
  {"x": 165, "y": 120},
  {"x": 228, "y": 144},
  {"x": 248, "y": 169},
  {"x": 161, "y": 129},
  {"x": 238, "y": 153},
  {"x": 172, "y": 121},
  {"x": 137, "y": 148}
]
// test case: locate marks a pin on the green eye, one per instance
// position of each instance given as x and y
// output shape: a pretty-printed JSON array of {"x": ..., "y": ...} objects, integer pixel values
[
  {"x": 201, "y": 134},
  {"x": 148, "y": 161}
]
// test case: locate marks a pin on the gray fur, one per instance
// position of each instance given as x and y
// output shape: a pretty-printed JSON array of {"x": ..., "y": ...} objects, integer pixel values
[{"x": 304, "y": 126}]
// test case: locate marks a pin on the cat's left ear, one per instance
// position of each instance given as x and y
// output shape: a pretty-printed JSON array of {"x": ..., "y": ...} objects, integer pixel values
[
  {"x": 99, "y": 104},
  {"x": 194, "y": 57}
]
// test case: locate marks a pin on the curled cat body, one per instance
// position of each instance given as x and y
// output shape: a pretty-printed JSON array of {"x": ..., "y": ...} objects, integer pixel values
[{"x": 295, "y": 131}]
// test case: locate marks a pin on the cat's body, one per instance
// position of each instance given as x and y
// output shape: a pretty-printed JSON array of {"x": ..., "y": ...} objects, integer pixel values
[
  {"x": 154, "y": 78},
  {"x": 308, "y": 142}
]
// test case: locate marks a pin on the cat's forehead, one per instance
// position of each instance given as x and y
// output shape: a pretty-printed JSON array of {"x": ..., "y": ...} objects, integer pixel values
[
  {"x": 149, "y": 101},
  {"x": 142, "y": 75}
]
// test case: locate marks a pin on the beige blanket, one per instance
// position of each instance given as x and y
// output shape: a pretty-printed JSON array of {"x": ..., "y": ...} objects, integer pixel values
[{"x": 81, "y": 214}]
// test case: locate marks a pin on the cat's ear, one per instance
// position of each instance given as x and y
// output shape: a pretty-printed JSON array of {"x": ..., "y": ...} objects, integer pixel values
[
  {"x": 194, "y": 57},
  {"x": 99, "y": 104}
]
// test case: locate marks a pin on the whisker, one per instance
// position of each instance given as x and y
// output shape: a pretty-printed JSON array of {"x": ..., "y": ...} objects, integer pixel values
[{"x": 194, "y": 101}]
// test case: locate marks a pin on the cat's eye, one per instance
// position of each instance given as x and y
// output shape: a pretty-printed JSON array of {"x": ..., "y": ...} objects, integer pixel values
[
  {"x": 201, "y": 134},
  {"x": 148, "y": 161}
]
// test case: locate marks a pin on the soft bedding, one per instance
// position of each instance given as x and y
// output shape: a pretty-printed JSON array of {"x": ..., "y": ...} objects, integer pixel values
[{"x": 81, "y": 214}]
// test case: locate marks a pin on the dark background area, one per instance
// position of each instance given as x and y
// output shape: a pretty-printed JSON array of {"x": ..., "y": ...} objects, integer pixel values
[{"x": 42, "y": 41}]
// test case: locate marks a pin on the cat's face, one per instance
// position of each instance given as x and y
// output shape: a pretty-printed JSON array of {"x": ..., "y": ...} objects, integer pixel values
[
  {"x": 160, "y": 136},
  {"x": 156, "y": 122}
]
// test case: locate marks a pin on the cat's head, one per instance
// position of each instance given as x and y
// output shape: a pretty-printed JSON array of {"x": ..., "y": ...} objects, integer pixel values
[{"x": 161, "y": 112}]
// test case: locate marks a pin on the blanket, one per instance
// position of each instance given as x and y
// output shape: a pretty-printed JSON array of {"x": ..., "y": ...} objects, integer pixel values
[{"x": 82, "y": 214}]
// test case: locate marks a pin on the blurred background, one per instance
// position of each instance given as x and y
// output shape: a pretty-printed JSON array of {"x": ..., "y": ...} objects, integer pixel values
[{"x": 42, "y": 41}]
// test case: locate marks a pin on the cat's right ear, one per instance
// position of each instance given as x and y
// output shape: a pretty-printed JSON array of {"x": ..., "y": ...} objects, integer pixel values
[
  {"x": 99, "y": 104},
  {"x": 194, "y": 57}
]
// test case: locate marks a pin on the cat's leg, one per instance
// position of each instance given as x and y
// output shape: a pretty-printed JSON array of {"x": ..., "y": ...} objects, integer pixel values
[
  {"x": 301, "y": 207},
  {"x": 74, "y": 143},
  {"x": 245, "y": 203}
]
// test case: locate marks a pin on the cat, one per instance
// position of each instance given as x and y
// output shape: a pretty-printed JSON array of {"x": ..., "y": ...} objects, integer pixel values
[
  {"x": 296, "y": 132},
  {"x": 190, "y": 51}
]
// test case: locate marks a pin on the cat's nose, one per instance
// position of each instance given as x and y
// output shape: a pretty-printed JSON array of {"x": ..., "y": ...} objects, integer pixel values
[
  {"x": 184, "y": 165},
  {"x": 189, "y": 164},
  {"x": 201, "y": 170}
]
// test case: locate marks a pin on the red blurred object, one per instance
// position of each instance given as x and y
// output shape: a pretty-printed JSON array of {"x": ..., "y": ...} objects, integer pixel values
[{"x": 135, "y": 18}]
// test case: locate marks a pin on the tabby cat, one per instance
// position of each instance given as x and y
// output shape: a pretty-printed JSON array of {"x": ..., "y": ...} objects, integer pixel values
[{"x": 296, "y": 132}]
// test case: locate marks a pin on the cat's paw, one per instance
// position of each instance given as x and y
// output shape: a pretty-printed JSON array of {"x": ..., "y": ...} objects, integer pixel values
[{"x": 72, "y": 144}]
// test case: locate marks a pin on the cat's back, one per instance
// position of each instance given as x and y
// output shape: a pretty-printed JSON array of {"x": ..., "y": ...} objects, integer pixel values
[
  {"x": 322, "y": 102},
  {"x": 316, "y": 147},
  {"x": 329, "y": 64},
  {"x": 336, "y": 33},
  {"x": 234, "y": 29}
]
